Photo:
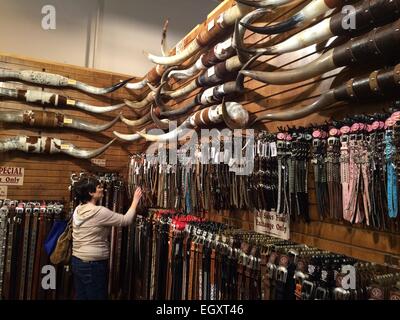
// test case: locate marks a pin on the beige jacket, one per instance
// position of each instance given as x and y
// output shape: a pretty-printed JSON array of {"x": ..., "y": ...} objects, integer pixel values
[{"x": 91, "y": 230}]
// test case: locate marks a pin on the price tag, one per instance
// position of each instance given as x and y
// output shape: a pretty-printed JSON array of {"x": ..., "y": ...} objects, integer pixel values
[
  {"x": 65, "y": 147},
  {"x": 70, "y": 102},
  {"x": 212, "y": 152},
  {"x": 217, "y": 157},
  {"x": 220, "y": 19},
  {"x": 231, "y": 162},
  {"x": 227, "y": 43},
  {"x": 273, "y": 149},
  {"x": 72, "y": 82},
  {"x": 211, "y": 71},
  {"x": 211, "y": 25},
  {"x": 66, "y": 120}
]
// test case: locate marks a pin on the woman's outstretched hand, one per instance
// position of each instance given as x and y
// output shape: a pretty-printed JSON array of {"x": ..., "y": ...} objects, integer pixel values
[{"x": 137, "y": 196}]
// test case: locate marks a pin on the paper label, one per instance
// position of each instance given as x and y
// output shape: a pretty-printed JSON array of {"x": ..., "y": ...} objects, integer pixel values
[
  {"x": 211, "y": 71},
  {"x": 211, "y": 25},
  {"x": 66, "y": 120},
  {"x": 99, "y": 162},
  {"x": 70, "y": 102},
  {"x": 3, "y": 192},
  {"x": 11, "y": 176},
  {"x": 72, "y": 82},
  {"x": 65, "y": 147},
  {"x": 274, "y": 152}
]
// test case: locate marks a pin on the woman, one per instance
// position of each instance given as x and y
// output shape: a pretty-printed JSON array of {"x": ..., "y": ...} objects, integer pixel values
[{"x": 90, "y": 238}]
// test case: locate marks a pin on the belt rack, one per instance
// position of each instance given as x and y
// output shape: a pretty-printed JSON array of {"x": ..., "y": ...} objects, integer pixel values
[
  {"x": 192, "y": 259},
  {"x": 23, "y": 229}
]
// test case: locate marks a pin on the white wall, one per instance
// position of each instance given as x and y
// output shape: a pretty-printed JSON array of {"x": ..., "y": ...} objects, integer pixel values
[{"x": 104, "y": 34}]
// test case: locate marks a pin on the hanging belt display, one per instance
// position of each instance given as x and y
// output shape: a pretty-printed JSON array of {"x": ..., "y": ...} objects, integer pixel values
[
  {"x": 23, "y": 227},
  {"x": 189, "y": 258}
]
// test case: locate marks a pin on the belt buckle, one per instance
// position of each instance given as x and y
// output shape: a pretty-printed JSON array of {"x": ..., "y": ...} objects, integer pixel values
[
  {"x": 316, "y": 142},
  {"x": 299, "y": 277},
  {"x": 307, "y": 290},
  {"x": 341, "y": 294},
  {"x": 28, "y": 208},
  {"x": 321, "y": 293},
  {"x": 281, "y": 274},
  {"x": 4, "y": 211},
  {"x": 271, "y": 270}
]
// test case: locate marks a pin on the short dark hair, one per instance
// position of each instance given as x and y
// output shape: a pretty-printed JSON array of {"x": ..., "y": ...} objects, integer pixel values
[{"x": 83, "y": 187}]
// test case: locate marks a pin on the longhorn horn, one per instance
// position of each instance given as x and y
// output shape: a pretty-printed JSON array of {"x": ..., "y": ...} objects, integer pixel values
[
  {"x": 52, "y": 119},
  {"x": 51, "y": 79},
  {"x": 263, "y": 3},
  {"x": 379, "y": 83},
  {"x": 53, "y": 99},
  {"x": 137, "y": 105},
  {"x": 385, "y": 12},
  {"x": 159, "y": 123},
  {"x": 203, "y": 39},
  {"x": 48, "y": 145},
  {"x": 214, "y": 75},
  {"x": 127, "y": 137},
  {"x": 311, "y": 11},
  {"x": 377, "y": 45},
  {"x": 324, "y": 101},
  {"x": 137, "y": 85},
  {"x": 239, "y": 32},
  {"x": 220, "y": 52},
  {"x": 164, "y": 48},
  {"x": 136, "y": 123},
  {"x": 205, "y": 117},
  {"x": 87, "y": 154}
]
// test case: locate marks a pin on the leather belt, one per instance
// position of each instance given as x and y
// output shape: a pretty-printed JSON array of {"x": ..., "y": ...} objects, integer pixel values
[{"x": 4, "y": 211}]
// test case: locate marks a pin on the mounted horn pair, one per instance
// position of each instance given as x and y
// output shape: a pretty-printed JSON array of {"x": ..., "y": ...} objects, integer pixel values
[
  {"x": 51, "y": 79},
  {"x": 209, "y": 32},
  {"x": 383, "y": 83},
  {"x": 233, "y": 113},
  {"x": 53, "y": 99},
  {"x": 48, "y": 145},
  {"x": 377, "y": 45},
  {"x": 311, "y": 11},
  {"x": 220, "y": 52},
  {"x": 51, "y": 119},
  {"x": 367, "y": 15}
]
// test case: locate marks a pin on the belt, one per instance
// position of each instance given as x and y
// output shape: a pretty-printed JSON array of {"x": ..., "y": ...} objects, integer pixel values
[
  {"x": 11, "y": 244},
  {"x": 24, "y": 260},
  {"x": 392, "y": 197},
  {"x": 32, "y": 250},
  {"x": 4, "y": 211}
]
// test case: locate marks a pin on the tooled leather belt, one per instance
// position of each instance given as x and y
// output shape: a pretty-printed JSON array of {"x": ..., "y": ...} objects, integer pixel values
[
  {"x": 32, "y": 250},
  {"x": 333, "y": 175},
  {"x": 24, "y": 260},
  {"x": 3, "y": 242},
  {"x": 318, "y": 160},
  {"x": 38, "y": 254},
  {"x": 15, "y": 266},
  {"x": 11, "y": 243}
]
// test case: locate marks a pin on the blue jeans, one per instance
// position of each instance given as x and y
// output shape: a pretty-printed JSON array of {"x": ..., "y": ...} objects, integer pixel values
[{"x": 90, "y": 279}]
